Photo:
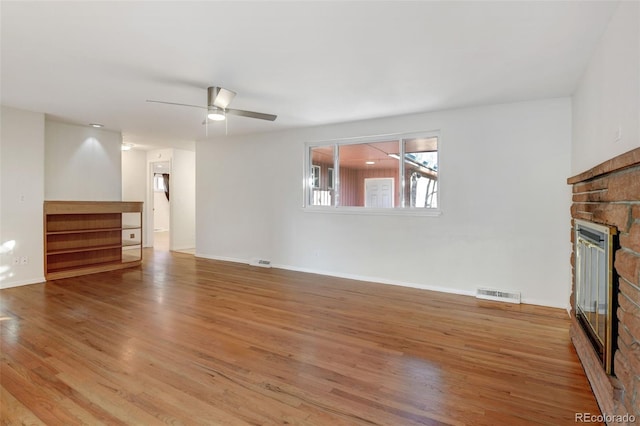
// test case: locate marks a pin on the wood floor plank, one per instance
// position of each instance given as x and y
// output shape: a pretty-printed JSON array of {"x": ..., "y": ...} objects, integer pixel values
[
  {"x": 184, "y": 341},
  {"x": 14, "y": 412}
]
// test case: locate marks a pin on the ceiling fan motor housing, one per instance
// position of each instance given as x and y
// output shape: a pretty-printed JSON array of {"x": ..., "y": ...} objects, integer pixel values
[{"x": 219, "y": 97}]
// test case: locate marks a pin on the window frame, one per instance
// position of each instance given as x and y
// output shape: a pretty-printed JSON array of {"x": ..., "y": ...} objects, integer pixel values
[
  {"x": 401, "y": 210},
  {"x": 316, "y": 176},
  {"x": 330, "y": 178}
]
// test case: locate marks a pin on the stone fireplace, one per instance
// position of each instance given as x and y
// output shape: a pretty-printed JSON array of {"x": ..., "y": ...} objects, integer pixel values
[{"x": 609, "y": 195}]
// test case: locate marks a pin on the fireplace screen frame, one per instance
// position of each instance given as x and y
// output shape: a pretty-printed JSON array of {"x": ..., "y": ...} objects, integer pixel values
[{"x": 594, "y": 309}]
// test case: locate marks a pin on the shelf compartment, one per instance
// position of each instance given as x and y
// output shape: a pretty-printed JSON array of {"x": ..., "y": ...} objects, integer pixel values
[
  {"x": 82, "y": 249},
  {"x": 68, "y": 260},
  {"x": 129, "y": 255},
  {"x": 83, "y": 222},
  {"x": 82, "y": 240},
  {"x": 71, "y": 268},
  {"x": 91, "y": 269},
  {"x": 83, "y": 231},
  {"x": 131, "y": 235}
]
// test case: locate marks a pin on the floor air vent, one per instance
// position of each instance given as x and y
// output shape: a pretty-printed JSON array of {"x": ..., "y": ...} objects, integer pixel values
[
  {"x": 260, "y": 262},
  {"x": 498, "y": 295}
]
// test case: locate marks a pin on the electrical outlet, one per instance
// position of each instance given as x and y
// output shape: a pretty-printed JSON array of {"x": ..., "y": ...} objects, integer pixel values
[
  {"x": 617, "y": 134},
  {"x": 16, "y": 261},
  {"x": 24, "y": 260}
]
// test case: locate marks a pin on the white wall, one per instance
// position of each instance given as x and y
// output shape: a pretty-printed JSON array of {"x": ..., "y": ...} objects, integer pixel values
[
  {"x": 134, "y": 175},
  {"x": 183, "y": 200},
  {"x": 82, "y": 163},
  {"x": 21, "y": 195},
  {"x": 504, "y": 203},
  {"x": 608, "y": 96}
]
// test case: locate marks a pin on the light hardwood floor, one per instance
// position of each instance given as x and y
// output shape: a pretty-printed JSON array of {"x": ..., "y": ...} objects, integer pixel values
[{"x": 189, "y": 341}]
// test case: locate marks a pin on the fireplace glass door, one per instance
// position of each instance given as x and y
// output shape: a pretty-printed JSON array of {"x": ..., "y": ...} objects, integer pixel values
[{"x": 594, "y": 286}]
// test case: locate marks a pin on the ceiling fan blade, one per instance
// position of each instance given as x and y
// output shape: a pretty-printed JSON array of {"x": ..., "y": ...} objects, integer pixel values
[
  {"x": 220, "y": 97},
  {"x": 175, "y": 103},
  {"x": 251, "y": 114}
]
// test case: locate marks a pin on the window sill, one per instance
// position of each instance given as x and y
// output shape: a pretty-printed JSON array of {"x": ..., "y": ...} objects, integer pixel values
[{"x": 374, "y": 212}]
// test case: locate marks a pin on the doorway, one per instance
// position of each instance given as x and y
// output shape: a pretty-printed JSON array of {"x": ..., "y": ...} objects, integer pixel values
[
  {"x": 379, "y": 193},
  {"x": 161, "y": 175}
]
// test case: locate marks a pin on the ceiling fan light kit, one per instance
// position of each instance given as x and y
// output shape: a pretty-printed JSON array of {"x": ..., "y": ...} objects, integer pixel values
[
  {"x": 216, "y": 114},
  {"x": 218, "y": 100}
]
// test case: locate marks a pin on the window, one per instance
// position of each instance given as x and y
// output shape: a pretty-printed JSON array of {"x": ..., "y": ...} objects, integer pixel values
[
  {"x": 158, "y": 182},
  {"x": 316, "y": 171},
  {"x": 421, "y": 172},
  {"x": 392, "y": 173},
  {"x": 320, "y": 193}
]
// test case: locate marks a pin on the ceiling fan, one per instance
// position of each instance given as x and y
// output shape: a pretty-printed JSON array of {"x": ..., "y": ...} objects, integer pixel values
[{"x": 218, "y": 100}]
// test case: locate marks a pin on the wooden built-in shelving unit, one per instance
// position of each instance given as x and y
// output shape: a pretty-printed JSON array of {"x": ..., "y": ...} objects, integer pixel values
[{"x": 84, "y": 237}]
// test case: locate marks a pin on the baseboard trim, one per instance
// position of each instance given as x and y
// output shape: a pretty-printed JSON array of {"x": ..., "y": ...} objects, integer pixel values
[
  {"x": 221, "y": 258},
  {"x": 182, "y": 248},
  {"x": 346, "y": 276},
  {"x": 538, "y": 302},
  {"x": 20, "y": 283},
  {"x": 377, "y": 280}
]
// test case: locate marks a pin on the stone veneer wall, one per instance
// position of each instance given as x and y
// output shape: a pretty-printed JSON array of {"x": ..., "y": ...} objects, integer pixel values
[{"x": 610, "y": 194}]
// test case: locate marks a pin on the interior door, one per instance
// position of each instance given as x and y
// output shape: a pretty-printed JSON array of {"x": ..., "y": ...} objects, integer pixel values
[{"x": 378, "y": 193}]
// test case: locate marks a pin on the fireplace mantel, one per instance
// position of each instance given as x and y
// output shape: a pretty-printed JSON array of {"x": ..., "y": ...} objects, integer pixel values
[{"x": 609, "y": 194}]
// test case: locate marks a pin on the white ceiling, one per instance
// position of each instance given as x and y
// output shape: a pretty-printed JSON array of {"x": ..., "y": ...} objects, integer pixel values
[{"x": 310, "y": 63}]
